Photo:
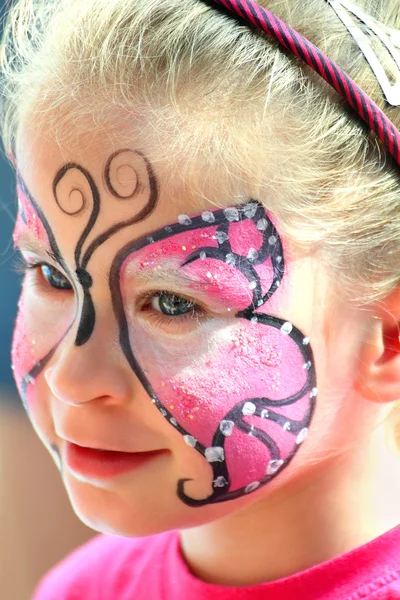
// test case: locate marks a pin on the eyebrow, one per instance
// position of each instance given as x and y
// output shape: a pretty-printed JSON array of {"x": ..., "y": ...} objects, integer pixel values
[
  {"x": 167, "y": 275},
  {"x": 24, "y": 244}
]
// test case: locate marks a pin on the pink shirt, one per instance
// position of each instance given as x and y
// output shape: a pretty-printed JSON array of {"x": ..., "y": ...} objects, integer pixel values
[{"x": 114, "y": 568}]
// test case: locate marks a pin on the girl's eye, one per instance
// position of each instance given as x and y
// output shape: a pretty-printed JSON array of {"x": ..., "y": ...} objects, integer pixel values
[
  {"x": 54, "y": 278},
  {"x": 172, "y": 305}
]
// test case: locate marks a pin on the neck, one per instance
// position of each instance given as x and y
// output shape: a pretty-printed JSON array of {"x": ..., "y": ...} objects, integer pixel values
[{"x": 344, "y": 502}]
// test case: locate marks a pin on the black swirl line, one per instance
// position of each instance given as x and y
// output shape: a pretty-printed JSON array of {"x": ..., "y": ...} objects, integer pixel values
[
  {"x": 88, "y": 314},
  {"x": 141, "y": 216},
  {"x": 107, "y": 176}
]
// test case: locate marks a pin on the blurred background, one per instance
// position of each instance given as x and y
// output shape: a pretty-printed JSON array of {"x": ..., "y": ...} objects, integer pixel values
[{"x": 37, "y": 526}]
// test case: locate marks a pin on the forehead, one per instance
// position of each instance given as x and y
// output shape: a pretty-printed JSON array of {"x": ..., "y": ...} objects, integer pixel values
[
  {"x": 98, "y": 191},
  {"x": 187, "y": 186}
]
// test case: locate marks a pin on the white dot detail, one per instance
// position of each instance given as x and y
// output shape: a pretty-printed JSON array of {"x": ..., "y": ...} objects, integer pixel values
[
  {"x": 184, "y": 220},
  {"x": 264, "y": 414},
  {"x": 190, "y": 440},
  {"x": 251, "y": 487},
  {"x": 221, "y": 237},
  {"x": 307, "y": 366},
  {"x": 220, "y": 482},
  {"x": 226, "y": 427},
  {"x": 215, "y": 454},
  {"x": 208, "y": 216},
  {"x": 302, "y": 436},
  {"x": 230, "y": 259},
  {"x": 163, "y": 412},
  {"x": 252, "y": 254},
  {"x": 262, "y": 224},
  {"x": 253, "y": 285},
  {"x": 287, "y": 328},
  {"x": 286, "y": 426},
  {"x": 250, "y": 209},
  {"x": 249, "y": 409},
  {"x": 232, "y": 214},
  {"x": 272, "y": 240},
  {"x": 306, "y": 341},
  {"x": 314, "y": 393},
  {"x": 254, "y": 320},
  {"x": 274, "y": 466},
  {"x": 203, "y": 255},
  {"x": 174, "y": 422}
]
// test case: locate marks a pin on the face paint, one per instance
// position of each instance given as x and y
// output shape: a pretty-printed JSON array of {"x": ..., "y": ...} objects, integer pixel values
[
  {"x": 31, "y": 346},
  {"x": 239, "y": 384},
  {"x": 28, "y": 220},
  {"x": 240, "y": 388},
  {"x": 129, "y": 177}
]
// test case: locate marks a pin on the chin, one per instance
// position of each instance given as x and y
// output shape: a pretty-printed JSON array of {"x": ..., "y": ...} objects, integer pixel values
[
  {"x": 134, "y": 513},
  {"x": 121, "y": 510}
]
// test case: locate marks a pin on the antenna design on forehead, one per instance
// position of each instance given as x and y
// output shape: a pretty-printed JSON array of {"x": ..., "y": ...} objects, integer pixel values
[{"x": 256, "y": 16}]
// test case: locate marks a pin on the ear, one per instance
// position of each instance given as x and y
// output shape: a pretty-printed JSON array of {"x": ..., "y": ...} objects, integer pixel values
[{"x": 378, "y": 370}]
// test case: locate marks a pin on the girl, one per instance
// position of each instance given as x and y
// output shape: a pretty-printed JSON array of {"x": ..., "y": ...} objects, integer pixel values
[{"x": 208, "y": 333}]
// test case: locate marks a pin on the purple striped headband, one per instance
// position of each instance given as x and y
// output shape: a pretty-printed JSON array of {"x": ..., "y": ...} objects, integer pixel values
[{"x": 257, "y": 16}]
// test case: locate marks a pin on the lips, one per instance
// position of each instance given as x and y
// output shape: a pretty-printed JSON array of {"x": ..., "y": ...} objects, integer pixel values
[{"x": 105, "y": 464}]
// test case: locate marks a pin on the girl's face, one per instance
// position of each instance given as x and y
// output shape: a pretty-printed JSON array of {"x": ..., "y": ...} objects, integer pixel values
[{"x": 167, "y": 348}]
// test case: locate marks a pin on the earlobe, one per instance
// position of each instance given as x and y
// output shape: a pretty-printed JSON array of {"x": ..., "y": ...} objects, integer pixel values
[{"x": 378, "y": 369}]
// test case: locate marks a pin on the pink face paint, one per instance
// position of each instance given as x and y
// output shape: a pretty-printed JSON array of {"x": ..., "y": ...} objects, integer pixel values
[
  {"x": 239, "y": 387},
  {"x": 28, "y": 220},
  {"x": 33, "y": 338}
]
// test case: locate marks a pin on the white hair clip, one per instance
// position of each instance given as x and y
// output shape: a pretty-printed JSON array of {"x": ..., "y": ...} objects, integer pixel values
[{"x": 390, "y": 38}]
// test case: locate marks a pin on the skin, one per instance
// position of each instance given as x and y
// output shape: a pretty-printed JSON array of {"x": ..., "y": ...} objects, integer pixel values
[{"x": 87, "y": 391}]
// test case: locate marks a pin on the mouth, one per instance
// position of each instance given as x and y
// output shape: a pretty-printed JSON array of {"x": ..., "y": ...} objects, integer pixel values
[{"x": 105, "y": 464}]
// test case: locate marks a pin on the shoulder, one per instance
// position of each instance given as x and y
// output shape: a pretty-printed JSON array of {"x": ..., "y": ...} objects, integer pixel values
[{"x": 105, "y": 567}]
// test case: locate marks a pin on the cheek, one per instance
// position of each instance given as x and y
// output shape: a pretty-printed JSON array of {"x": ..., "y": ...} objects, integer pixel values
[
  {"x": 39, "y": 328},
  {"x": 231, "y": 386}
]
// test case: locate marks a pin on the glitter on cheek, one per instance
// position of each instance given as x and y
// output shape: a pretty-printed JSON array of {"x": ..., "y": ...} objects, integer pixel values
[
  {"x": 33, "y": 339},
  {"x": 245, "y": 344},
  {"x": 24, "y": 352},
  {"x": 186, "y": 402},
  {"x": 252, "y": 350}
]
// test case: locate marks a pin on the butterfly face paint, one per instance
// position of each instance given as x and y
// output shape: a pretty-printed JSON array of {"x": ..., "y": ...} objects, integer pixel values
[
  {"x": 240, "y": 390},
  {"x": 238, "y": 383}
]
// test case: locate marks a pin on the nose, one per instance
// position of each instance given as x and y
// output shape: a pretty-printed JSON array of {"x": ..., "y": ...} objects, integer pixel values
[{"x": 96, "y": 370}]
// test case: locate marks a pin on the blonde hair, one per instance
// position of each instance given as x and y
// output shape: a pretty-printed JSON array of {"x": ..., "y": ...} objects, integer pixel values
[{"x": 217, "y": 92}]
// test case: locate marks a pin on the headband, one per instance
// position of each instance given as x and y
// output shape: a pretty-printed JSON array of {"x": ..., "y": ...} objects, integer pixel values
[{"x": 255, "y": 15}]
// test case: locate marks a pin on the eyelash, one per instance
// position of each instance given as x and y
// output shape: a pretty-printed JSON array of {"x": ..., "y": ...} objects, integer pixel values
[
  {"x": 160, "y": 318},
  {"x": 21, "y": 266}
]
